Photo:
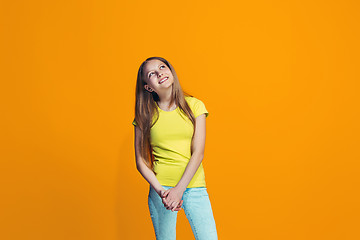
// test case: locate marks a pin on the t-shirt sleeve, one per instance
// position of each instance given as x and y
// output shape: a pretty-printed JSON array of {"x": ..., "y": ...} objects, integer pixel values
[
  {"x": 199, "y": 108},
  {"x": 134, "y": 122}
]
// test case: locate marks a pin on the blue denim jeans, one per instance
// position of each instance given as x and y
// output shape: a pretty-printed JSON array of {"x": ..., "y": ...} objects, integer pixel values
[{"x": 197, "y": 209}]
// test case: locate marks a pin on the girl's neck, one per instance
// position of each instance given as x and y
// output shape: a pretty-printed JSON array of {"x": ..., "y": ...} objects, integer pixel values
[
  {"x": 164, "y": 102},
  {"x": 165, "y": 97}
]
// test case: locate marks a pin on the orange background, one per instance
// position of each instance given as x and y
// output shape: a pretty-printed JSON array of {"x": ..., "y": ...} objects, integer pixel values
[{"x": 280, "y": 80}]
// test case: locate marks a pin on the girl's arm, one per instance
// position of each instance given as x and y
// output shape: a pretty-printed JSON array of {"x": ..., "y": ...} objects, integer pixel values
[
  {"x": 174, "y": 195},
  {"x": 142, "y": 168},
  {"x": 148, "y": 174},
  {"x": 198, "y": 148}
]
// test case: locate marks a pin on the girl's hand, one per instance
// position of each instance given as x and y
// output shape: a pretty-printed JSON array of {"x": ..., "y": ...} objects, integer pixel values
[
  {"x": 178, "y": 208},
  {"x": 173, "y": 198}
]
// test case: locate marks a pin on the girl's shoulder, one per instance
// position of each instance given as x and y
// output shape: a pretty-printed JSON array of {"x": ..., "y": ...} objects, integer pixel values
[
  {"x": 191, "y": 100},
  {"x": 197, "y": 106}
]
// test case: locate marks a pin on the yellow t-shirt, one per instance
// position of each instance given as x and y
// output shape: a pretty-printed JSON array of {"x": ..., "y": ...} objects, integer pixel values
[{"x": 170, "y": 139}]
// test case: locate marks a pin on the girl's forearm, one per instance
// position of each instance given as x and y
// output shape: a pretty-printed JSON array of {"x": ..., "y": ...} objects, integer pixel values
[
  {"x": 190, "y": 171},
  {"x": 149, "y": 176}
]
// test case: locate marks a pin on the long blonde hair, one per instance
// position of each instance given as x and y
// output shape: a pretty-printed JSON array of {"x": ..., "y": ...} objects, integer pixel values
[{"x": 146, "y": 109}]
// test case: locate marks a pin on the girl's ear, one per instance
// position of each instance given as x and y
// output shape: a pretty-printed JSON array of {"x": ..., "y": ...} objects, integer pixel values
[{"x": 148, "y": 88}]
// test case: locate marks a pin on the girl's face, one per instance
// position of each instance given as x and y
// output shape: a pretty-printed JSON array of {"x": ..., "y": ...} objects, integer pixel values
[{"x": 157, "y": 76}]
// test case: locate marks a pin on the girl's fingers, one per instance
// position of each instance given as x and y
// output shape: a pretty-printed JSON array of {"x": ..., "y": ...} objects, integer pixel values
[
  {"x": 167, "y": 191},
  {"x": 173, "y": 209},
  {"x": 169, "y": 206},
  {"x": 174, "y": 205},
  {"x": 180, "y": 204}
]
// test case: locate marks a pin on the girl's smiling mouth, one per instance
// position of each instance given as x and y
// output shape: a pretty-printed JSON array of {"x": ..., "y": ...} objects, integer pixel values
[{"x": 163, "y": 80}]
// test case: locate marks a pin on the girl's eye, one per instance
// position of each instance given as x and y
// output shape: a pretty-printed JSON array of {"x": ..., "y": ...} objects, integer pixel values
[{"x": 152, "y": 73}]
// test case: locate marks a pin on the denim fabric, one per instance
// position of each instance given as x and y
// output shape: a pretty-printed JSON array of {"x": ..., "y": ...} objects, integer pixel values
[{"x": 197, "y": 209}]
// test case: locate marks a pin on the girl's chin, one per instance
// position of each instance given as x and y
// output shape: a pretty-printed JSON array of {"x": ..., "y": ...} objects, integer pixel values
[{"x": 167, "y": 85}]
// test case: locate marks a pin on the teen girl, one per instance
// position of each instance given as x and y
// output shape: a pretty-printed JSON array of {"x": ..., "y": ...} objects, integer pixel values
[{"x": 169, "y": 149}]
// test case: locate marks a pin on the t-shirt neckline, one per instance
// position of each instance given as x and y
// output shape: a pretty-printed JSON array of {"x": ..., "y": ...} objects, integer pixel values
[{"x": 166, "y": 111}]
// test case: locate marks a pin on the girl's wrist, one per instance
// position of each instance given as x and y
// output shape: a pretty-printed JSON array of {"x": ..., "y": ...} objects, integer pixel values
[
  {"x": 158, "y": 191},
  {"x": 181, "y": 188}
]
